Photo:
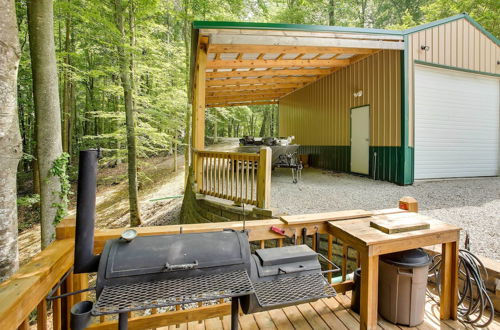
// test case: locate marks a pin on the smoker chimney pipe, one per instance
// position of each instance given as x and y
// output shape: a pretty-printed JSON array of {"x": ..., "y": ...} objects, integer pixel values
[{"x": 85, "y": 260}]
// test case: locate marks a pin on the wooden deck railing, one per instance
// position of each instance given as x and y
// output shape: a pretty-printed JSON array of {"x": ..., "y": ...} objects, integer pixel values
[
  {"x": 239, "y": 177},
  {"x": 25, "y": 292}
]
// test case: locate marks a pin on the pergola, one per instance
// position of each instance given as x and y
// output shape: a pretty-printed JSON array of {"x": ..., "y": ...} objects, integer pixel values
[{"x": 252, "y": 64}]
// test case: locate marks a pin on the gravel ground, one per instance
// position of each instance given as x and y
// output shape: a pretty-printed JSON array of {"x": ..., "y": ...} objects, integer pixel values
[{"x": 473, "y": 204}]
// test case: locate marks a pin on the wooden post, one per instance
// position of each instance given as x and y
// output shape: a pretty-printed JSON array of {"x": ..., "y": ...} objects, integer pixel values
[
  {"x": 198, "y": 108},
  {"x": 41, "y": 315},
  {"x": 264, "y": 178},
  {"x": 409, "y": 204},
  {"x": 449, "y": 281},
  {"x": 369, "y": 291},
  {"x": 329, "y": 256}
]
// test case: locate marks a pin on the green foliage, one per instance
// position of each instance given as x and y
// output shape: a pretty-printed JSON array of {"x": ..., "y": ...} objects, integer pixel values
[
  {"x": 28, "y": 200},
  {"x": 60, "y": 169}
]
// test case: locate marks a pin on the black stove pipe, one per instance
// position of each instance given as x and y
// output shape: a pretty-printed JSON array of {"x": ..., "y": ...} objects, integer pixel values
[{"x": 85, "y": 259}]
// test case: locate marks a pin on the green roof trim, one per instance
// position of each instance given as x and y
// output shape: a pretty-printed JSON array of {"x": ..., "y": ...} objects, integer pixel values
[
  {"x": 288, "y": 27},
  {"x": 451, "y": 19}
]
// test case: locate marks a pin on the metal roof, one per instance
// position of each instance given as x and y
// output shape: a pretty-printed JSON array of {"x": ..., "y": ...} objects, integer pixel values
[{"x": 259, "y": 63}]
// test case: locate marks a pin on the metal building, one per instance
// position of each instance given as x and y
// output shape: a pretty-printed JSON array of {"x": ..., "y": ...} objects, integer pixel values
[{"x": 394, "y": 105}]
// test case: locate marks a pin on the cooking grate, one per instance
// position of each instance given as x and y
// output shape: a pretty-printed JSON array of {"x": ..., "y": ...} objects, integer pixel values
[
  {"x": 138, "y": 296},
  {"x": 293, "y": 290}
]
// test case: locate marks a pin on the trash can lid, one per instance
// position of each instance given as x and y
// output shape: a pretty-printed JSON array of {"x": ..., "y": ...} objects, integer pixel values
[{"x": 409, "y": 258}]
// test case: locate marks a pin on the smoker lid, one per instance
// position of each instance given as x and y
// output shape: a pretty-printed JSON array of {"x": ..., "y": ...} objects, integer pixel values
[
  {"x": 409, "y": 258},
  {"x": 285, "y": 255},
  {"x": 151, "y": 254}
]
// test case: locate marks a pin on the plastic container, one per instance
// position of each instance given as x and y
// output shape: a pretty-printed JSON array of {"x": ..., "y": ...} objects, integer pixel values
[
  {"x": 356, "y": 291},
  {"x": 402, "y": 286}
]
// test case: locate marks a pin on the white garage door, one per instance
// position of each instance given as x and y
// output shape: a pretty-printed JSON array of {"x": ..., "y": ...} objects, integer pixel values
[{"x": 457, "y": 124}]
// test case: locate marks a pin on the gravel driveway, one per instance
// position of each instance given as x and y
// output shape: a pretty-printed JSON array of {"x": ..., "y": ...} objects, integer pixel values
[{"x": 473, "y": 204}]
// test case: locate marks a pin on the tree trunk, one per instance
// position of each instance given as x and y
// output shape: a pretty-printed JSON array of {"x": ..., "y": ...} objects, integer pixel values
[
  {"x": 331, "y": 12},
  {"x": 66, "y": 103},
  {"x": 47, "y": 110},
  {"x": 187, "y": 119},
  {"x": 10, "y": 138},
  {"x": 125, "y": 72},
  {"x": 265, "y": 124}
]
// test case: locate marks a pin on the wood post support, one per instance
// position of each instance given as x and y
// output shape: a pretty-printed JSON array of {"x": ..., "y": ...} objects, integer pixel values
[
  {"x": 198, "y": 135},
  {"x": 264, "y": 178},
  {"x": 369, "y": 291},
  {"x": 449, "y": 281},
  {"x": 408, "y": 203}
]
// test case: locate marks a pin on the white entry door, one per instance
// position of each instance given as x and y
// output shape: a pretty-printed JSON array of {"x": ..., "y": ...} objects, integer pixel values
[
  {"x": 360, "y": 140},
  {"x": 457, "y": 124}
]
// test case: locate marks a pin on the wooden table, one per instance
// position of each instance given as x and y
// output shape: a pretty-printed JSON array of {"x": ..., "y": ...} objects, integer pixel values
[{"x": 371, "y": 243}]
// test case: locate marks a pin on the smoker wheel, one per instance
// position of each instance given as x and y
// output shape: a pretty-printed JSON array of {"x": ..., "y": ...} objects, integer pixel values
[
  {"x": 145, "y": 295},
  {"x": 293, "y": 290}
]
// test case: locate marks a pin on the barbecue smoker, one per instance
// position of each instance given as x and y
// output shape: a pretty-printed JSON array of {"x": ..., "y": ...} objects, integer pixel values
[{"x": 143, "y": 272}]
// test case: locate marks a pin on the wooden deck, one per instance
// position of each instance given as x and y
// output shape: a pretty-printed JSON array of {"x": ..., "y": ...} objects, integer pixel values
[{"x": 333, "y": 313}]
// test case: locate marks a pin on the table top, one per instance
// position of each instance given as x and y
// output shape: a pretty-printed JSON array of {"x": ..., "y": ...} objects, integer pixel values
[{"x": 360, "y": 232}]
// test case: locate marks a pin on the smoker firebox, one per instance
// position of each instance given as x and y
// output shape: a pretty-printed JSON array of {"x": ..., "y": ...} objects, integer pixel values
[{"x": 137, "y": 273}]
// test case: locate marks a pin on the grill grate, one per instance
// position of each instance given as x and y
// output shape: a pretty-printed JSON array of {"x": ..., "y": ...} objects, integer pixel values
[
  {"x": 145, "y": 295},
  {"x": 293, "y": 290}
]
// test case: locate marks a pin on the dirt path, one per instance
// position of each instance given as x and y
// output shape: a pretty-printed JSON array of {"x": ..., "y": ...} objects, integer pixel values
[{"x": 158, "y": 181}]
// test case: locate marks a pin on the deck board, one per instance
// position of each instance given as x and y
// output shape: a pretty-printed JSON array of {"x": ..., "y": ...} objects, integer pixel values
[
  {"x": 280, "y": 320},
  {"x": 247, "y": 322},
  {"x": 312, "y": 318},
  {"x": 296, "y": 318},
  {"x": 331, "y": 313},
  {"x": 327, "y": 315},
  {"x": 264, "y": 321}
]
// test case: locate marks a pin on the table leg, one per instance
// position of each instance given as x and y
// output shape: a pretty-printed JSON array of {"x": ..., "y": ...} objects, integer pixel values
[
  {"x": 449, "y": 281},
  {"x": 123, "y": 321},
  {"x": 234, "y": 313},
  {"x": 369, "y": 291}
]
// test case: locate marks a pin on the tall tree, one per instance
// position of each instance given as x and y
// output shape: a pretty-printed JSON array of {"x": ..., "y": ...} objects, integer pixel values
[
  {"x": 47, "y": 110},
  {"x": 10, "y": 138},
  {"x": 125, "y": 75}
]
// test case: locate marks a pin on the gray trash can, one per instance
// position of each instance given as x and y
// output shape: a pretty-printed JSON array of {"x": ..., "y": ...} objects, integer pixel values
[{"x": 402, "y": 286}]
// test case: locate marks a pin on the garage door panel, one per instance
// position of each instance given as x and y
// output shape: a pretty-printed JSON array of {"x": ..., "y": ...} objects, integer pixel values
[{"x": 457, "y": 124}]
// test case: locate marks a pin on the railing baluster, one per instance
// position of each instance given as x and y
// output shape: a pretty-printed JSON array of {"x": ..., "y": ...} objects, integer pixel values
[
  {"x": 345, "y": 251},
  {"x": 41, "y": 315},
  {"x": 329, "y": 253},
  {"x": 252, "y": 182},
  {"x": 247, "y": 178},
  {"x": 56, "y": 311},
  {"x": 232, "y": 176},
  {"x": 237, "y": 161},
  {"x": 219, "y": 170},
  {"x": 24, "y": 326}
]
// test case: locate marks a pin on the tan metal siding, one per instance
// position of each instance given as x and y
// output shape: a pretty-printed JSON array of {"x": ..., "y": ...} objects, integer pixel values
[
  {"x": 319, "y": 114},
  {"x": 456, "y": 44}
]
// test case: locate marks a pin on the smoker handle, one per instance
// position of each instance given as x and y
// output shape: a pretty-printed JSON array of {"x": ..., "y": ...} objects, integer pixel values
[
  {"x": 181, "y": 266},
  {"x": 335, "y": 268}
]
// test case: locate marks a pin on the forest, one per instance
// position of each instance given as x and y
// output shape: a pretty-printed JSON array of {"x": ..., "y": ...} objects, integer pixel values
[{"x": 114, "y": 75}]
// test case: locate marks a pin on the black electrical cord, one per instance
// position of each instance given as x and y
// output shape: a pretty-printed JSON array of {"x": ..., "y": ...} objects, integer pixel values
[{"x": 473, "y": 298}]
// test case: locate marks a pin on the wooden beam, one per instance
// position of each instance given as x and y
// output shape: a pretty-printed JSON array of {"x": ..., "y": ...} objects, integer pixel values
[
  {"x": 235, "y": 64},
  {"x": 224, "y": 93},
  {"x": 214, "y": 48},
  {"x": 198, "y": 136},
  {"x": 170, "y": 318},
  {"x": 241, "y": 104},
  {"x": 248, "y": 81},
  {"x": 23, "y": 292},
  {"x": 260, "y": 73},
  {"x": 266, "y": 97},
  {"x": 254, "y": 87}
]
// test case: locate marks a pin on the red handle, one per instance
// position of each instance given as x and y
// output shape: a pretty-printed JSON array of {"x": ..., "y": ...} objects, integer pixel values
[{"x": 278, "y": 230}]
